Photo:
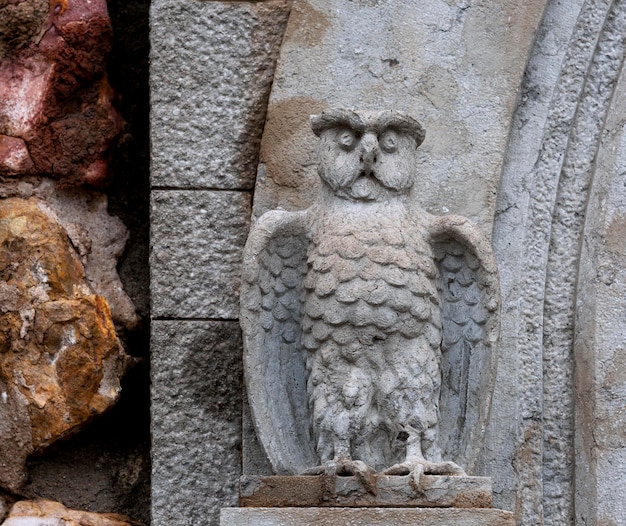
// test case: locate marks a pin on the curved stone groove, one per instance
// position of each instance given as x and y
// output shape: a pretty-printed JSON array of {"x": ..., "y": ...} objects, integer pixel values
[
  {"x": 562, "y": 271},
  {"x": 543, "y": 207}
]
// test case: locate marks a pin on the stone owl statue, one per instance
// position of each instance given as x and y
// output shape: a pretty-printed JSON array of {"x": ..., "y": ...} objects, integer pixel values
[{"x": 369, "y": 325}]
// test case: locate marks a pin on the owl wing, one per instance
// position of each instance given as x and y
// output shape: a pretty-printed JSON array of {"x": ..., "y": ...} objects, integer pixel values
[
  {"x": 274, "y": 265},
  {"x": 470, "y": 298}
]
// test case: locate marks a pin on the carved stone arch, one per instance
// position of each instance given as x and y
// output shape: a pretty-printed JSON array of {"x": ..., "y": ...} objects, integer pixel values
[
  {"x": 537, "y": 236},
  {"x": 600, "y": 334}
]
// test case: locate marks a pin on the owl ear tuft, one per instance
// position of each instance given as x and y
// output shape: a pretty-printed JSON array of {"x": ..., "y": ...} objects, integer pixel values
[
  {"x": 336, "y": 118},
  {"x": 403, "y": 123}
]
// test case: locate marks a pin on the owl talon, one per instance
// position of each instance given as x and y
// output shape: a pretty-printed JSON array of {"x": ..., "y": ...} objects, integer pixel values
[
  {"x": 426, "y": 467},
  {"x": 346, "y": 467},
  {"x": 364, "y": 473}
]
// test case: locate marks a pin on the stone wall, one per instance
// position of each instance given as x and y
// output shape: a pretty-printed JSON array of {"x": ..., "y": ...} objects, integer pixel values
[
  {"x": 523, "y": 111},
  {"x": 212, "y": 68}
]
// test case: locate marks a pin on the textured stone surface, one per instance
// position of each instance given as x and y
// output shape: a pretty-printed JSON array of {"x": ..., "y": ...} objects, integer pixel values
[
  {"x": 60, "y": 359},
  {"x": 600, "y": 345},
  {"x": 456, "y": 66},
  {"x": 538, "y": 232},
  {"x": 363, "y": 517},
  {"x": 56, "y": 106},
  {"x": 212, "y": 68},
  {"x": 50, "y": 513},
  {"x": 4, "y": 507},
  {"x": 391, "y": 491},
  {"x": 196, "y": 420},
  {"x": 368, "y": 319},
  {"x": 22, "y": 23},
  {"x": 97, "y": 237},
  {"x": 197, "y": 241}
]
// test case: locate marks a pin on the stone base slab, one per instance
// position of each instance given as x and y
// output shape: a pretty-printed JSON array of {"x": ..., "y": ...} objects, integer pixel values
[
  {"x": 390, "y": 491},
  {"x": 364, "y": 517}
]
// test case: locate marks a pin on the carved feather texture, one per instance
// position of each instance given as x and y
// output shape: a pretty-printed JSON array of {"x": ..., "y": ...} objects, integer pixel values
[
  {"x": 274, "y": 268},
  {"x": 468, "y": 284},
  {"x": 372, "y": 329},
  {"x": 334, "y": 320}
]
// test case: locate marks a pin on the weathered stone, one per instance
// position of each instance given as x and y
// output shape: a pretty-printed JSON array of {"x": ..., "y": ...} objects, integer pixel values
[
  {"x": 22, "y": 23},
  {"x": 370, "y": 326},
  {"x": 364, "y": 517},
  {"x": 56, "y": 112},
  {"x": 5, "y": 505},
  {"x": 98, "y": 238},
  {"x": 456, "y": 66},
  {"x": 391, "y": 491},
  {"x": 196, "y": 420},
  {"x": 543, "y": 459},
  {"x": 197, "y": 241},
  {"x": 50, "y": 513},
  {"x": 600, "y": 342},
  {"x": 60, "y": 359},
  {"x": 212, "y": 68}
]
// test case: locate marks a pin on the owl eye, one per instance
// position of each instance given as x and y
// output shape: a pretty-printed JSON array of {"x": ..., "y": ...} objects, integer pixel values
[
  {"x": 388, "y": 141},
  {"x": 346, "y": 139}
]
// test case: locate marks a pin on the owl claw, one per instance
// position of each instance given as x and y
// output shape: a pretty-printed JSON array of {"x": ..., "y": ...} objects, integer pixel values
[
  {"x": 346, "y": 467},
  {"x": 426, "y": 467},
  {"x": 364, "y": 473}
]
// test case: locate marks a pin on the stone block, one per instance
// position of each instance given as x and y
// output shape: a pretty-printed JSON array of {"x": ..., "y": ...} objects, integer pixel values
[
  {"x": 461, "y": 85},
  {"x": 60, "y": 359},
  {"x": 212, "y": 65},
  {"x": 57, "y": 114},
  {"x": 341, "y": 491},
  {"x": 364, "y": 517},
  {"x": 196, "y": 420},
  {"x": 198, "y": 237}
]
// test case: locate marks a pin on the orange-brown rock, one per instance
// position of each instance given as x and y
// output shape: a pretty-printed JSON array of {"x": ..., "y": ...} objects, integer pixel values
[
  {"x": 49, "y": 512},
  {"x": 60, "y": 358}
]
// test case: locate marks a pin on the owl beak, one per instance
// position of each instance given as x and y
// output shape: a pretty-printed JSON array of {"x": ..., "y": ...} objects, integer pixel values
[{"x": 369, "y": 151}]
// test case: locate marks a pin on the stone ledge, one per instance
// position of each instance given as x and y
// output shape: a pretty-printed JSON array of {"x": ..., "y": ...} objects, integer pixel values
[
  {"x": 365, "y": 517},
  {"x": 391, "y": 491}
]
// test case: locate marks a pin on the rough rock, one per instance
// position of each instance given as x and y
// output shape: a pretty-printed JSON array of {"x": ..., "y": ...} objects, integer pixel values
[
  {"x": 4, "y": 507},
  {"x": 21, "y": 23},
  {"x": 98, "y": 238},
  {"x": 56, "y": 105},
  {"x": 60, "y": 358},
  {"x": 50, "y": 513}
]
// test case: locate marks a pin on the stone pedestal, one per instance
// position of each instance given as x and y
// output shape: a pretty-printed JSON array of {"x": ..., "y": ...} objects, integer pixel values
[
  {"x": 429, "y": 500},
  {"x": 365, "y": 517},
  {"x": 430, "y": 491}
]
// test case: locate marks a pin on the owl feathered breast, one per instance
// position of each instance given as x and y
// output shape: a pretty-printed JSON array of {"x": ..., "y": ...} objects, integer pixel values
[
  {"x": 279, "y": 335},
  {"x": 371, "y": 331}
]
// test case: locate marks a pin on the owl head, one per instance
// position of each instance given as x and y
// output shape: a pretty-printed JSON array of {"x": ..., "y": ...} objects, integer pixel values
[{"x": 367, "y": 156}]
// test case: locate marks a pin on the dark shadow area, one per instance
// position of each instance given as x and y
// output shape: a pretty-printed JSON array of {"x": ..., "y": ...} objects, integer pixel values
[{"x": 105, "y": 468}]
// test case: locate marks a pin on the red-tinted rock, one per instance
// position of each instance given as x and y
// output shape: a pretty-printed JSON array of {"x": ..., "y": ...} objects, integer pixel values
[
  {"x": 54, "y": 94},
  {"x": 14, "y": 156}
]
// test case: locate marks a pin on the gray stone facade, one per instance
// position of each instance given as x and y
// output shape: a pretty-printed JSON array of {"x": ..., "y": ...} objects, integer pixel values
[
  {"x": 526, "y": 104},
  {"x": 212, "y": 65}
]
